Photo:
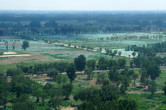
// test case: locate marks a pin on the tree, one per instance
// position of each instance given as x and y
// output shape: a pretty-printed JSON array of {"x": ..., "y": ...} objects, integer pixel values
[
  {"x": 86, "y": 94},
  {"x": 7, "y": 45},
  {"x": 100, "y": 78},
  {"x": 91, "y": 64},
  {"x": 37, "y": 91},
  {"x": 127, "y": 105},
  {"x": 107, "y": 51},
  {"x": 14, "y": 72},
  {"x": 131, "y": 64},
  {"x": 43, "y": 97},
  {"x": 122, "y": 63},
  {"x": 80, "y": 62},
  {"x": 48, "y": 88},
  {"x": 55, "y": 102},
  {"x": 115, "y": 52},
  {"x": 112, "y": 54},
  {"x": 21, "y": 85},
  {"x": 125, "y": 83},
  {"x": 35, "y": 23},
  {"x": 144, "y": 76},
  {"x": 4, "y": 90},
  {"x": 135, "y": 76},
  {"x": 64, "y": 79},
  {"x": 52, "y": 73},
  {"x": 1, "y": 53},
  {"x": 102, "y": 63},
  {"x": 153, "y": 71},
  {"x": 114, "y": 75},
  {"x": 71, "y": 72},
  {"x": 89, "y": 73},
  {"x": 59, "y": 78},
  {"x": 67, "y": 89},
  {"x": 14, "y": 44},
  {"x": 119, "y": 53},
  {"x": 23, "y": 103},
  {"x": 153, "y": 87},
  {"x": 51, "y": 24},
  {"x": 109, "y": 93},
  {"x": 25, "y": 45},
  {"x": 164, "y": 89},
  {"x": 133, "y": 54}
]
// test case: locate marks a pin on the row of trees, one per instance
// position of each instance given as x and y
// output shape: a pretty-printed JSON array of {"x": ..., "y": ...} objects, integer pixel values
[
  {"x": 149, "y": 50},
  {"x": 26, "y": 26},
  {"x": 106, "y": 98},
  {"x": 24, "y": 45},
  {"x": 119, "y": 79}
]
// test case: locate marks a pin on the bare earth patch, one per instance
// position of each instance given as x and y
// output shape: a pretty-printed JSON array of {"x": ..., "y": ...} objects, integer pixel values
[
  {"x": 67, "y": 108},
  {"x": 21, "y": 55},
  {"x": 7, "y": 53}
]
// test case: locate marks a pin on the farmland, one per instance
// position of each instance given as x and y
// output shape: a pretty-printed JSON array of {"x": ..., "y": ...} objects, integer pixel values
[{"x": 83, "y": 63}]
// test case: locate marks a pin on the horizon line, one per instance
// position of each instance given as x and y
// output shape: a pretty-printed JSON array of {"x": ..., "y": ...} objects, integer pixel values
[{"x": 74, "y": 10}]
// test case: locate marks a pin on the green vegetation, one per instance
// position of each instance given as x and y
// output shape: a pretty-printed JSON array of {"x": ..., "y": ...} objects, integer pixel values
[{"x": 82, "y": 62}]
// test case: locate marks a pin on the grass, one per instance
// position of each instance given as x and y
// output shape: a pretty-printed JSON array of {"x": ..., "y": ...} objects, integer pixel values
[
  {"x": 56, "y": 56},
  {"x": 3, "y": 68},
  {"x": 144, "y": 102},
  {"x": 162, "y": 78}
]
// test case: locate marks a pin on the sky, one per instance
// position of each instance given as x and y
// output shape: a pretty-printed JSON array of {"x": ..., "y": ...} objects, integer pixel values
[{"x": 83, "y": 5}]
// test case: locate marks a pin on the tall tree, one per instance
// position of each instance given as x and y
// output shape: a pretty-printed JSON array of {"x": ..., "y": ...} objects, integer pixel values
[
  {"x": 153, "y": 87},
  {"x": 91, "y": 64},
  {"x": 67, "y": 89},
  {"x": 153, "y": 71},
  {"x": 122, "y": 63},
  {"x": 14, "y": 44},
  {"x": 4, "y": 90},
  {"x": 89, "y": 73},
  {"x": 55, "y": 102},
  {"x": 25, "y": 45},
  {"x": 164, "y": 89},
  {"x": 101, "y": 78},
  {"x": 71, "y": 72},
  {"x": 80, "y": 62},
  {"x": 134, "y": 53},
  {"x": 52, "y": 73},
  {"x": 144, "y": 76},
  {"x": 135, "y": 76},
  {"x": 24, "y": 103},
  {"x": 119, "y": 53},
  {"x": 102, "y": 63},
  {"x": 1, "y": 53},
  {"x": 7, "y": 45}
]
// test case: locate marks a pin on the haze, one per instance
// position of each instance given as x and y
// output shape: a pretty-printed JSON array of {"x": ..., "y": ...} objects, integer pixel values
[{"x": 82, "y": 5}]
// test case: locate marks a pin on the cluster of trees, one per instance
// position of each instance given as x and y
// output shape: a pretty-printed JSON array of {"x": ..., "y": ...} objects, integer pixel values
[
  {"x": 149, "y": 63},
  {"x": 105, "y": 98},
  {"x": 150, "y": 49},
  {"x": 24, "y": 45},
  {"x": 105, "y": 64},
  {"x": 39, "y": 24},
  {"x": 20, "y": 88}
]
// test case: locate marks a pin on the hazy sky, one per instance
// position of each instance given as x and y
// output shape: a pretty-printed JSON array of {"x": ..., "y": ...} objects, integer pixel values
[{"x": 83, "y": 5}]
